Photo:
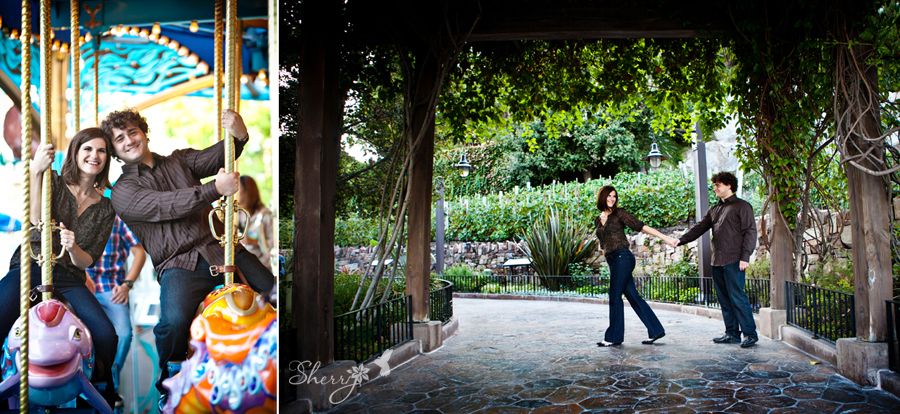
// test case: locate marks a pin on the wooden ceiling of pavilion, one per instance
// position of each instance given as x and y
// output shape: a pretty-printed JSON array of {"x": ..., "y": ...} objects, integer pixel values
[{"x": 509, "y": 20}]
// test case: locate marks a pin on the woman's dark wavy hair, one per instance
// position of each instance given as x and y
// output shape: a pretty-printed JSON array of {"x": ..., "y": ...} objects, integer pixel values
[
  {"x": 601, "y": 197},
  {"x": 70, "y": 171},
  {"x": 726, "y": 178}
]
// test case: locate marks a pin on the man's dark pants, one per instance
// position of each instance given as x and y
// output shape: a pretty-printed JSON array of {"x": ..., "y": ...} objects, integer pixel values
[
  {"x": 729, "y": 281},
  {"x": 181, "y": 292}
]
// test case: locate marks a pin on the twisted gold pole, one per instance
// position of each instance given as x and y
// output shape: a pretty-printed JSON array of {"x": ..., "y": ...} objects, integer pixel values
[
  {"x": 46, "y": 138},
  {"x": 75, "y": 44},
  {"x": 230, "y": 38},
  {"x": 25, "y": 251},
  {"x": 97, "y": 80},
  {"x": 217, "y": 65}
]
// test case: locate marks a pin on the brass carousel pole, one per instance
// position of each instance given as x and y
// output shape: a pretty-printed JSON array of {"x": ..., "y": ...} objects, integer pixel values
[
  {"x": 47, "y": 224},
  {"x": 75, "y": 46},
  {"x": 25, "y": 251},
  {"x": 97, "y": 80},
  {"x": 231, "y": 37},
  {"x": 217, "y": 65}
]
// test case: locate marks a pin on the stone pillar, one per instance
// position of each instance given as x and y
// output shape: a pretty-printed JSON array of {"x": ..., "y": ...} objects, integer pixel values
[
  {"x": 860, "y": 361},
  {"x": 770, "y": 322},
  {"x": 429, "y": 334}
]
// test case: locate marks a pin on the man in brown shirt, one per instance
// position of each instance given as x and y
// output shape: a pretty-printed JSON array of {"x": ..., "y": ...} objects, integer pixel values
[
  {"x": 734, "y": 238},
  {"x": 163, "y": 202}
]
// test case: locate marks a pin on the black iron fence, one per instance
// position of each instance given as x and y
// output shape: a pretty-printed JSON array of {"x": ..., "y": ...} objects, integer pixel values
[
  {"x": 893, "y": 339},
  {"x": 682, "y": 290},
  {"x": 825, "y": 313},
  {"x": 364, "y": 334},
  {"x": 441, "y": 303}
]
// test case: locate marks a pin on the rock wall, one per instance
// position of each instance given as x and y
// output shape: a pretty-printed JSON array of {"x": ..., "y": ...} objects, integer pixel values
[{"x": 652, "y": 255}]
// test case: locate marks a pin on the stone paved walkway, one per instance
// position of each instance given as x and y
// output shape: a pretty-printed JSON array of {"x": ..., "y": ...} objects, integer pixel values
[{"x": 541, "y": 357}]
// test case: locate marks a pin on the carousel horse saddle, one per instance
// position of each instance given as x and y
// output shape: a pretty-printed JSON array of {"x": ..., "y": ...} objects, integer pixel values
[
  {"x": 60, "y": 359},
  {"x": 233, "y": 365}
]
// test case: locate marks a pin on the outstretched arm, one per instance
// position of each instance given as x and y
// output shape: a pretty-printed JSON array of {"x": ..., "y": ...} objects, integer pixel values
[
  {"x": 695, "y": 232},
  {"x": 135, "y": 203},
  {"x": 205, "y": 163},
  {"x": 671, "y": 241}
]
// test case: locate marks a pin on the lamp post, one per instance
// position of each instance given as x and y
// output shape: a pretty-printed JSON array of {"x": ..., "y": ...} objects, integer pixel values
[
  {"x": 439, "y": 228},
  {"x": 463, "y": 166},
  {"x": 464, "y": 169},
  {"x": 655, "y": 156}
]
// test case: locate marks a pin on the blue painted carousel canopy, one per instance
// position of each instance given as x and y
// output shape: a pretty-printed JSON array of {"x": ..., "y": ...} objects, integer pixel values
[{"x": 136, "y": 62}]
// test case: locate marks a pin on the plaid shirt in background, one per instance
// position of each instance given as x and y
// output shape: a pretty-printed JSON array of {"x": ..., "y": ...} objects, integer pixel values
[{"x": 109, "y": 270}]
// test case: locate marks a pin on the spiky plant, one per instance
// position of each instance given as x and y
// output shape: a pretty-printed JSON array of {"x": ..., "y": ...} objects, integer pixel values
[{"x": 553, "y": 242}]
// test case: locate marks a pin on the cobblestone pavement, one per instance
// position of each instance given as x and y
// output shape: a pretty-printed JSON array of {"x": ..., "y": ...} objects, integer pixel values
[{"x": 541, "y": 357}]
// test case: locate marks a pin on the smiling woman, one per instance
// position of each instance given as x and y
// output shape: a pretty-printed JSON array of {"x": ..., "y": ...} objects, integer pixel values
[{"x": 85, "y": 220}]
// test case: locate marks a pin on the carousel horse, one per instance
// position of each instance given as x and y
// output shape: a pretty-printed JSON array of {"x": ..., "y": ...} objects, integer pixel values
[
  {"x": 60, "y": 359},
  {"x": 233, "y": 366}
]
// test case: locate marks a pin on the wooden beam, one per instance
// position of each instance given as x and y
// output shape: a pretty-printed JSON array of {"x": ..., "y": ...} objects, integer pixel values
[
  {"x": 869, "y": 197},
  {"x": 781, "y": 257},
  {"x": 418, "y": 256},
  {"x": 315, "y": 183},
  {"x": 508, "y": 20}
]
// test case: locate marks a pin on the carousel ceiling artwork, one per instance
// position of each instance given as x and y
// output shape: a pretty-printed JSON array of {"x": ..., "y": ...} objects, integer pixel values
[{"x": 145, "y": 48}]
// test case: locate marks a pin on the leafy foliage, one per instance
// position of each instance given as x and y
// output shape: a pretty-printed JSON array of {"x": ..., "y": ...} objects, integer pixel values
[
  {"x": 554, "y": 242},
  {"x": 354, "y": 230},
  {"x": 660, "y": 199},
  {"x": 555, "y": 81}
]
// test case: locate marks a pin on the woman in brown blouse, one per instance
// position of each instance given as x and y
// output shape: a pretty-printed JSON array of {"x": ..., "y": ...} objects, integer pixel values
[
  {"x": 611, "y": 234},
  {"x": 85, "y": 218}
]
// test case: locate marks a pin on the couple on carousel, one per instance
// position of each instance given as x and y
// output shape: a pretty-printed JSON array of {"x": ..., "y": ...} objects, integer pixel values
[{"x": 163, "y": 201}]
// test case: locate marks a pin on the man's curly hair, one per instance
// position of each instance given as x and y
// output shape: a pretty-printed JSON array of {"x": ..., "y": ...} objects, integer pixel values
[{"x": 122, "y": 119}]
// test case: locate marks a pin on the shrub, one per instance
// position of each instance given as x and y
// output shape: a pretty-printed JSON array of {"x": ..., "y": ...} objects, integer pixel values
[
  {"x": 554, "y": 242},
  {"x": 464, "y": 278},
  {"x": 355, "y": 231},
  {"x": 759, "y": 269},
  {"x": 660, "y": 199},
  {"x": 682, "y": 268},
  {"x": 832, "y": 273},
  {"x": 346, "y": 284}
]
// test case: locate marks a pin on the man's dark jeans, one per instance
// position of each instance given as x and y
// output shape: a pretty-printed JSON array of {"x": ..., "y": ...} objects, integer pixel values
[
  {"x": 621, "y": 265},
  {"x": 729, "y": 281},
  {"x": 181, "y": 292}
]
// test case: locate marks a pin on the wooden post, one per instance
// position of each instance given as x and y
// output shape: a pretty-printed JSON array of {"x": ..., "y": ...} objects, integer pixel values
[
  {"x": 781, "y": 255},
  {"x": 869, "y": 197},
  {"x": 315, "y": 182},
  {"x": 418, "y": 255}
]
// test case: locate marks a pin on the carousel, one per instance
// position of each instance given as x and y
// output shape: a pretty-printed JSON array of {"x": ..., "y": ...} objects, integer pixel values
[{"x": 73, "y": 55}]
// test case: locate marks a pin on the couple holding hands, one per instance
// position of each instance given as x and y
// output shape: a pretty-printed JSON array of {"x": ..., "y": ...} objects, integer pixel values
[{"x": 734, "y": 238}]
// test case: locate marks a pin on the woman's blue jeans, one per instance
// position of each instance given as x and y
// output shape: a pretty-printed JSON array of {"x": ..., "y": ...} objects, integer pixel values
[
  {"x": 83, "y": 303},
  {"x": 621, "y": 265}
]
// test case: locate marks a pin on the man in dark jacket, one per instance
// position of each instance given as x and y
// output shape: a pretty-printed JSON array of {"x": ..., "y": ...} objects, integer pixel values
[
  {"x": 163, "y": 201},
  {"x": 734, "y": 238}
]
